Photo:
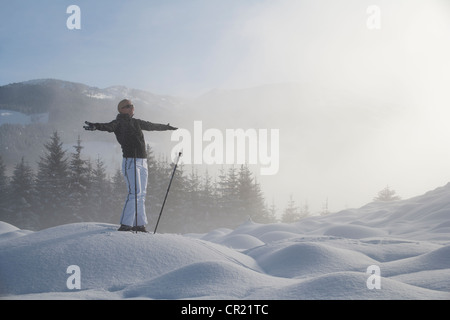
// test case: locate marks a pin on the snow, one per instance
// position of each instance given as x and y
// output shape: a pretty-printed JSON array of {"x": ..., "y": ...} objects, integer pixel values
[
  {"x": 14, "y": 117},
  {"x": 98, "y": 95},
  {"x": 8, "y": 231},
  {"x": 324, "y": 257}
]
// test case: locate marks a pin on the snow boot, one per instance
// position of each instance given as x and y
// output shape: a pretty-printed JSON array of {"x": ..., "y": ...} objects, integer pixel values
[
  {"x": 124, "y": 227},
  {"x": 140, "y": 229}
]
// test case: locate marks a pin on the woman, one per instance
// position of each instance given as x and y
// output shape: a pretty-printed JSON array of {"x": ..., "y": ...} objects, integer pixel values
[{"x": 128, "y": 131}]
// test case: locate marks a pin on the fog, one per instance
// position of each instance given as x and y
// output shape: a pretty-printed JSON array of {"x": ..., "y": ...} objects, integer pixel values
[
  {"x": 364, "y": 108},
  {"x": 357, "y": 89}
]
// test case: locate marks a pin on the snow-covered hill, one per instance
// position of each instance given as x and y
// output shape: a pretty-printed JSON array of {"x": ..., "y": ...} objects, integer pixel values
[{"x": 316, "y": 258}]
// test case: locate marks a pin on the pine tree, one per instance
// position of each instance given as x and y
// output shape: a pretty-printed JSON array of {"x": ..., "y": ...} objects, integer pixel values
[
  {"x": 291, "y": 213},
  {"x": 232, "y": 199},
  {"x": 252, "y": 203},
  {"x": 226, "y": 190},
  {"x": 304, "y": 210},
  {"x": 21, "y": 197},
  {"x": 386, "y": 195},
  {"x": 263, "y": 213},
  {"x": 220, "y": 189},
  {"x": 117, "y": 197},
  {"x": 273, "y": 212},
  {"x": 192, "y": 204},
  {"x": 246, "y": 194},
  {"x": 99, "y": 189},
  {"x": 208, "y": 204},
  {"x": 3, "y": 191},
  {"x": 51, "y": 184},
  {"x": 325, "y": 210},
  {"x": 78, "y": 184}
]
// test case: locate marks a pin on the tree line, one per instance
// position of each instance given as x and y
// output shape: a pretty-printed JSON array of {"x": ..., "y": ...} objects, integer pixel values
[{"x": 67, "y": 188}]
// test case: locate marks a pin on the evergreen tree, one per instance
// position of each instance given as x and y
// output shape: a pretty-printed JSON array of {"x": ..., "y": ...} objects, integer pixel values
[
  {"x": 246, "y": 194},
  {"x": 273, "y": 212},
  {"x": 51, "y": 184},
  {"x": 100, "y": 209},
  {"x": 386, "y": 195},
  {"x": 252, "y": 202},
  {"x": 325, "y": 210},
  {"x": 291, "y": 213},
  {"x": 232, "y": 199},
  {"x": 304, "y": 210},
  {"x": 208, "y": 204},
  {"x": 193, "y": 211},
  {"x": 220, "y": 189},
  {"x": 3, "y": 190},
  {"x": 78, "y": 184},
  {"x": 117, "y": 197},
  {"x": 21, "y": 197},
  {"x": 263, "y": 213}
]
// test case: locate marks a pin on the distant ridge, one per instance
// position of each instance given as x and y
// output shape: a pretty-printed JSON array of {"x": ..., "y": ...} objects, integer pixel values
[{"x": 64, "y": 106}]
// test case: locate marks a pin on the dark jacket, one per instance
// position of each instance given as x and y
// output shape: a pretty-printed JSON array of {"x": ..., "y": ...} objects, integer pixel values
[{"x": 129, "y": 134}]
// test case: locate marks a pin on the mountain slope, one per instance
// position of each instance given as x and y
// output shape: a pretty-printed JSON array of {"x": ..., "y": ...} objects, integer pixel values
[{"x": 46, "y": 95}]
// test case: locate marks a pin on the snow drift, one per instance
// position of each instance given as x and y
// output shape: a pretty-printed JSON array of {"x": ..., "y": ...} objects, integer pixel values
[{"x": 316, "y": 258}]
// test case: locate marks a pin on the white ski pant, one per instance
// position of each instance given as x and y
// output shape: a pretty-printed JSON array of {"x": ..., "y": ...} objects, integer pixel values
[{"x": 129, "y": 209}]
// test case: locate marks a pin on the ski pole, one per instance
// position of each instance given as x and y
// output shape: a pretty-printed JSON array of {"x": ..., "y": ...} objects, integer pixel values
[{"x": 167, "y": 192}]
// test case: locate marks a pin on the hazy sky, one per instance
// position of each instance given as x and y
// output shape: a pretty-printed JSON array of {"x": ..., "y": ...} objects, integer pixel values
[
  {"x": 188, "y": 47},
  {"x": 161, "y": 46},
  {"x": 191, "y": 46}
]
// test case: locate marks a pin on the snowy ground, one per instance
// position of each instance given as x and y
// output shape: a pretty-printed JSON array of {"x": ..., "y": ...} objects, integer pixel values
[{"x": 317, "y": 258}]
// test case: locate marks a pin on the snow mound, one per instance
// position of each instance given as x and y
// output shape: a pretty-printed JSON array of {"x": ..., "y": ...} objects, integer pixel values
[
  {"x": 277, "y": 236},
  {"x": 107, "y": 259},
  {"x": 347, "y": 285},
  {"x": 434, "y": 260},
  {"x": 327, "y": 257},
  {"x": 8, "y": 231},
  {"x": 304, "y": 259},
  {"x": 205, "y": 280},
  {"x": 241, "y": 241},
  {"x": 6, "y": 227},
  {"x": 354, "y": 232}
]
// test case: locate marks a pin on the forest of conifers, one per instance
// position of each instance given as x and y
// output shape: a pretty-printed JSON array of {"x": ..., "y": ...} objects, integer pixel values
[{"x": 68, "y": 188}]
